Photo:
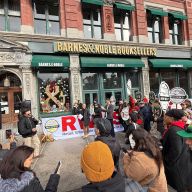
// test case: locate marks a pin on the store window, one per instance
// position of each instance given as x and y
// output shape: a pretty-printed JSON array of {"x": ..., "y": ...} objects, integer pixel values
[
  {"x": 10, "y": 19},
  {"x": 154, "y": 78},
  {"x": 183, "y": 80},
  {"x": 122, "y": 25},
  {"x": 90, "y": 81},
  {"x": 54, "y": 92},
  {"x": 46, "y": 17},
  {"x": 111, "y": 80},
  {"x": 169, "y": 77},
  {"x": 154, "y": 26},
  {"x": 175, "y": 31},
  {"x": 92, "y": 21}
]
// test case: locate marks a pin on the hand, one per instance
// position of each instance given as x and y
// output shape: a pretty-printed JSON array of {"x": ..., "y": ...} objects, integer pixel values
[{"x": 34, "y": 130}]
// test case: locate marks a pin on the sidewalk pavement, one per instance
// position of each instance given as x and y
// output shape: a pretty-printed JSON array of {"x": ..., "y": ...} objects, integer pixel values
[{"x": 69, "y": 152}]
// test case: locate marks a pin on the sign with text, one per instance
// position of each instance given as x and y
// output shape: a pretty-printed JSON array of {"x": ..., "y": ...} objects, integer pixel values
[
  {"x": 178, "y": 95},
  {"x": 65, "y": 127},
  {"x": 95, "y": 48}
]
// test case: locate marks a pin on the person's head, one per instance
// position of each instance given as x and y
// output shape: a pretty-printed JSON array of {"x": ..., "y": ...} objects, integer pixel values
[
  {"x": 102, "y": 127},
  {"x": 97, "y": 162},
  {"x": 187, "y": 134},
  {"x": 16, "y": 162},
  {"x": 133, "y": 117},
  {"x": 108, "y": 101},
  {"x": 144, "y": 142},
  {"x": 120, "y": 102},
  {"x": 84, "y": 106},
  {"x": 26, "y": 112},
  {"x": 141, "y": 104},
  {"x": 173, "y": 115}
]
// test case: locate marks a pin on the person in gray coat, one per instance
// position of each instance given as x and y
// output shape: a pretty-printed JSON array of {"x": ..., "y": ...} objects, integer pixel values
[
  {"x": 109, "y": 109},
  {"x": 85, "y": 120}
]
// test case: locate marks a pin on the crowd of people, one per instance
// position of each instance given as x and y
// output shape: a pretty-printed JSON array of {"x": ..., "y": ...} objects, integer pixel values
[{"x": 149, "y": 163}]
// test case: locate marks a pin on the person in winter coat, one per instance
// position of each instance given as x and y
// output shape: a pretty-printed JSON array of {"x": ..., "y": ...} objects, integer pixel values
[
  {"x": 176, "y": 154},
  {"x": 144, "y": 164},
  {"x": 16, "y": 175},
  {"x": 85, "y": 119},
  {"x": 102, "y": 130},
  {"x": 27, "y": 128}
]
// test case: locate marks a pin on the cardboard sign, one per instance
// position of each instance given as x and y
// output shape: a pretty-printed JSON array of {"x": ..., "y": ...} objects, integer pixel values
[
  {"x": 178, "y": 95},
  {"x": 164, "y": 95}
]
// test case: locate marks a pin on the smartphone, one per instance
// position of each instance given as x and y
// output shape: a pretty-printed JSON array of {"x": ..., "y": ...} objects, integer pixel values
[{"x": 58, "y": 167}]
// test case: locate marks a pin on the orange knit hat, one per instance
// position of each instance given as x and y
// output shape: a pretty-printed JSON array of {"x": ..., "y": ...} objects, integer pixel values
[{"x": 97, "y": 162}]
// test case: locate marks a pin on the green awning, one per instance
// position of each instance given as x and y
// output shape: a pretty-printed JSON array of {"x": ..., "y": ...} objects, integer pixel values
[
  {"x": 178, "y": 15},
  {"x": 110, "y": 62},
  {"x": 171, "y": 63},
  {"x": 157, "y": 12},
  {"x": 124, "y": 6},
  {"x": 95, "y": 2},
  {"x": 49, "y": 61}
]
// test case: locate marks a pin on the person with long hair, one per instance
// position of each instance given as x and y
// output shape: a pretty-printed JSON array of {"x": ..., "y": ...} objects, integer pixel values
[
  {"x": 144, "y": 163},
  {"x": 16, "y": 175},
  {"x": 176, "y": 153}
]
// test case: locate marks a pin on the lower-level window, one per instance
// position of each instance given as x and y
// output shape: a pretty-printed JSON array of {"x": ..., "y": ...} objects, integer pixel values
[{"x": 54, "y": 92}]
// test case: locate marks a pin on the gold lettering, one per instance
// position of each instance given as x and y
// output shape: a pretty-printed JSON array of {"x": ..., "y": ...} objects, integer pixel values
[
  {"x": 80, "y": 48},
  {"x": 97, "y": 49},
  {"x": 106, "y": 49},
  {"x": 114, "y": 50},
  {"x": 123, "y": 50},
  {"x": 59, "y": 46},
  {"x": 127, "y": 50},
  {"x": 84, "y": 48},
  {"x": 102, "y": 49},
  {"x": 131, "y": 50},
  {"x": 75, "y": 47},
  {"x": 144, "y": 51},
  {"x": 119, "y": 50},
  {"x": 154, "y": 51},
  {"x": 138, "y": 51},
  {"x": 70, "y": 47},
  {"x": 110, "y": 50}
]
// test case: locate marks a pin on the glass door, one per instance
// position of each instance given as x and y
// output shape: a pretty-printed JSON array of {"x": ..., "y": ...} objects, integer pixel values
[
  {"x": 89, "y": 97},
  {"x": 117, "y": 94}
]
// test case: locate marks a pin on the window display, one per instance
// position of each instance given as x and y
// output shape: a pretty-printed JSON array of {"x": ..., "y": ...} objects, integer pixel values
[{"x": 54, "y": 92}]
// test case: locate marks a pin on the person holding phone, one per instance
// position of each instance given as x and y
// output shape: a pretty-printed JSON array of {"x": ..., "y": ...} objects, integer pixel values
[
  {"x": 16, "y": 175},
  {"x": 27, "y": 128}
]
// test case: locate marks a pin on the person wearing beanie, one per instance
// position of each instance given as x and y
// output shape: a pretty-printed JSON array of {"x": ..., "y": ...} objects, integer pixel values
[
  {"x": 98, "y": 166},
  {"x": 102, "y": 131},
  {"x": 176, "y": 154}
]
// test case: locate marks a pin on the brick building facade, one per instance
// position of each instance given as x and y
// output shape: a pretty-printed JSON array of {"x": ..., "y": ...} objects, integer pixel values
[{"x": 104, "y": 44}]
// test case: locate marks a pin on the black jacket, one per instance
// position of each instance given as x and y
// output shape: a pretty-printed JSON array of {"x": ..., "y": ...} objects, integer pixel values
[
  {"x": 29, "y": 183},
  {"x": 115, "y": 184},
  {"x": 177, "y": 160},
  {"x": 114, "y": 146},
  {"x": 25, "y": 126}
]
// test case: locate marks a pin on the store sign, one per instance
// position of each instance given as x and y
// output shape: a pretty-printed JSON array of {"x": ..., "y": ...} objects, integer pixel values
[
  {"x": 164, "y": 95},
  {"x": 181, "y": 66},
  {"x": 50, "y": 64},
  {"x": 65, "y": 127},
  {"x": 178, "y": 95},
  {"x": 115, "y": 65},
  {"x": 95, "y": 48}
]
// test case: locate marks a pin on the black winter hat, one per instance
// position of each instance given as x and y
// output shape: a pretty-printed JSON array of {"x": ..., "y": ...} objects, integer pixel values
[
  {"x": 175, "y": 113},
  {"x": 104, "y": 126}
]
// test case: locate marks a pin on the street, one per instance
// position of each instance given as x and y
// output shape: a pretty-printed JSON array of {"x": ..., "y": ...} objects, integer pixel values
[{"x": 68, "y": 151}]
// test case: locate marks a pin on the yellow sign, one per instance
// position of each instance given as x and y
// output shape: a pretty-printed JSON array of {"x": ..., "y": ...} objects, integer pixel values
[{"x": 94, "y": 48}]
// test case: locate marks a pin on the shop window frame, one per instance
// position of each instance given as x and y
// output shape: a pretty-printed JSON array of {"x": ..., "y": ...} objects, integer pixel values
[
  {"x": 92, "y": 24},
  {"x": 173, "y": 35},
  {"x": 7, "y": 13},
  {"x": 122, "y": 28},
  {"x": 151, "y": 21},
  {"x": 46, "y": 17}
]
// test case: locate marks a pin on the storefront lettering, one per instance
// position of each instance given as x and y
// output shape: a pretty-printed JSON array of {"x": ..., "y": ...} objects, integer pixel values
[
  {"x": 50, "y": 64},
  {"x": 176, "y": 66},
  {"x": 115, "y": 65},
  {"x": 95, "y": 48}
]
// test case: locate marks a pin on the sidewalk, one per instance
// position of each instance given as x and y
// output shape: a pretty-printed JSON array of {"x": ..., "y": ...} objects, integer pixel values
[{"x": 69, "y": 152}]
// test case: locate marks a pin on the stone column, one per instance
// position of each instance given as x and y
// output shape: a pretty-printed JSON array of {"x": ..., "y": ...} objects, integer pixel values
[
  {"x": 29, "y": 89},
  {"x": 76, "y": 85},
  {"x": 145, "y": 78},
  {"x": 26, "y": 16}
]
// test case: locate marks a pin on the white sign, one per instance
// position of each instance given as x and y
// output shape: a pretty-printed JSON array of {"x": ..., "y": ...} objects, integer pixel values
[
  {"x": 164, "y": 95},
  {"x": 65, "y": 127},
  {"x": 129, "y": 87},
  {"x": 178, "y": 95}
]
